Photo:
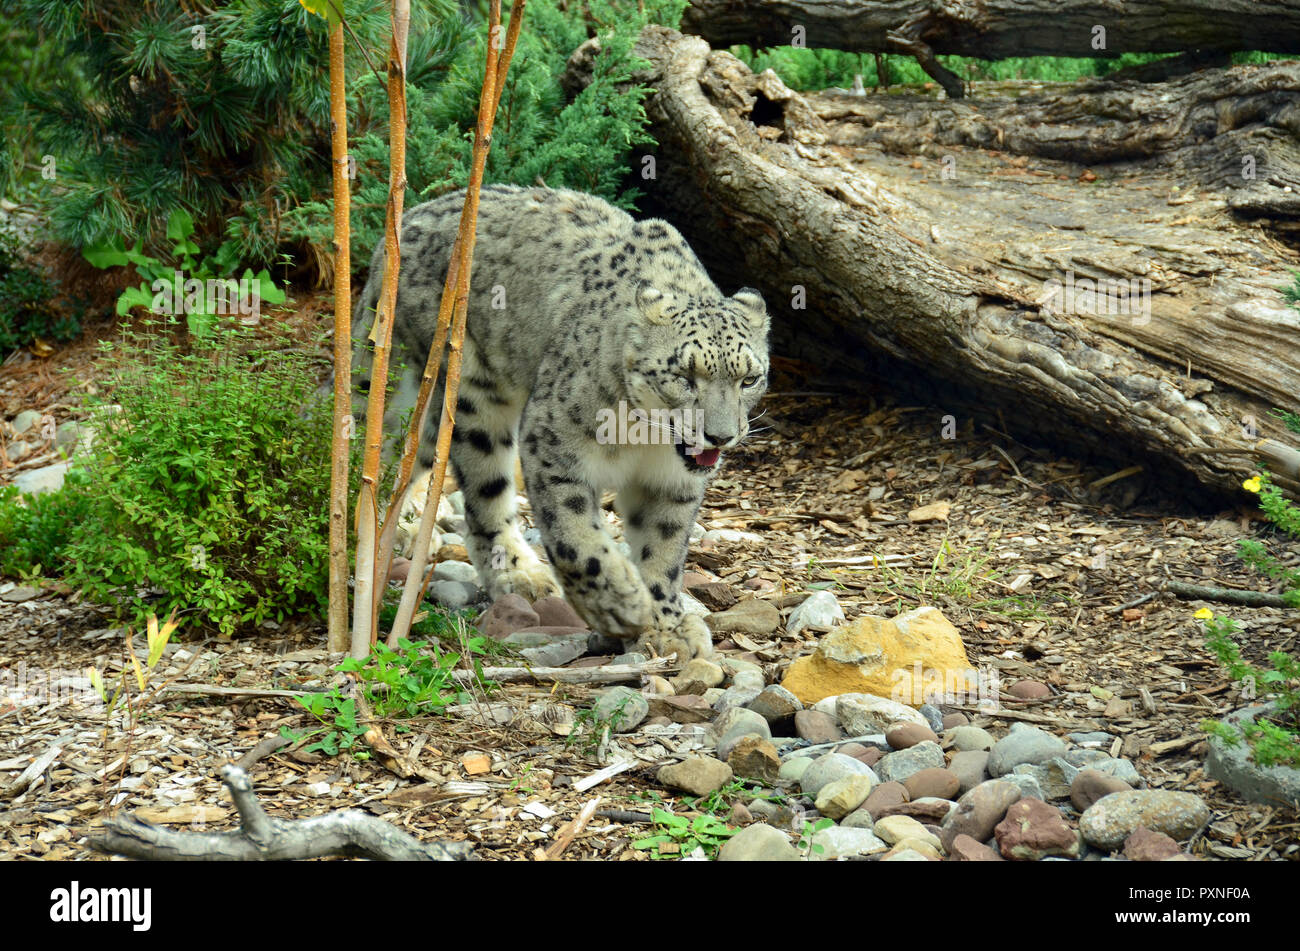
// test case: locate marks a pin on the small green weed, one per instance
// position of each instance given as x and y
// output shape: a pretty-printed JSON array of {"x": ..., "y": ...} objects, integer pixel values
[
  {"x": 202, "y": 288},
  {"x": 807, "y": 834},
  {"x": 414, "y": 680},
  {"x": 682, "y": 835}
]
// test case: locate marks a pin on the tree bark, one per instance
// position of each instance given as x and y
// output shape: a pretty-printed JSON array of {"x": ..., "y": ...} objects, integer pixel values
[
  {"x": 997, "y": 29},
  {"x": 947, "y": 269}
]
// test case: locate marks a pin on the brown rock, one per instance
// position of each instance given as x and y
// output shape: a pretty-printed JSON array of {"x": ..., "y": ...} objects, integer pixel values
[
  {"x": 740, "y": 816},
  {"x": 816, "y": 727},
  {"x": 901, "y": 736},
  {"x": 451, "y": 553},
  {"x": 755, "y": 758},
  {"x": 883, "y": 797},
  {"x": 682, "y": 708},
  {"x": 754, "y": 616},
  {"x": 864, "y": 754},
  {"x": 1033, "y": 830},
  {"x": 966, "y": 849},
  {"x": 865, "y": 655},
  {"x": 398, "y": 569},
  {"x": 509, "y": 613},
  {"x": 597, "y": 660},
  {"x": 556, "y": 612},
  {"x": 714, "y": 595},
  {"x": 476, "y": 763},
  {"x": 935, "y": 782},
  {"x": 1029, "y": 690},
  {"x": 979, "y": 811},
  {"x": 696, "y": 775},
  {"x": 1143, "y": 845},
  {"x": 925, "y": 812},
  {"x": 1091, "y": 785},
  {"x": 951, "y": 720},
  {"x": 692, "y": 577}
]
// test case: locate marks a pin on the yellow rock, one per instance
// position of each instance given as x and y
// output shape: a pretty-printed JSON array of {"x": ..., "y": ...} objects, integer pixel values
[{"x": 910, "y": 658}]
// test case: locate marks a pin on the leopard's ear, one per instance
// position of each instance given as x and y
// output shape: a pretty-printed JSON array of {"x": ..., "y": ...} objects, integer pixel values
[
  {"x": 655, "y": 306},
  {"x": 754, "y": 305}
]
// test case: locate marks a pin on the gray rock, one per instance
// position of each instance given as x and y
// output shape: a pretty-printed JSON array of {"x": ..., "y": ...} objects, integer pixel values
[
  {"x": 830, "y": 767},
  {"x": 775, "y": 704},
  {"x": 979, "y": 811},
  {"x": 734, "y": 697},
  {"x": 557, "y": 652},
  {"x": 1029, "y": 745},
  {"x": 1054, "y": 777},
  {"x": 630, "y": 658},
  {"x": 626, "y": 705},
  {"x": 1233, "y": 766},
  {"x": 758, "y": 843},
  {"x": 1120, "y": 768},
  {"x": 1029, "y": 786},
  {"x": 25, "y": 421},
  {"x": 46, "y": 479},
  {"x": 737, "y": 722},
  {"x": 933, "y": 716},
  {"x": 451, "y": 538},
  {"x": 858, "y": 819},
  {"x": 792, "y": 770},
  {"x": 965, "y": 738},
  {"x": 897, "y": 766},
  {"x": 453, "y": 594},
  {"x": 1084, "y": 757},
  {"x": 457, "y": 501},
  {"x": 970, "y": 767},
  {"x": 844, "y": 840},
  {"x": 456, "y": 571},
  {"x": 1110, "y": 820},
  {"x": 860, "y": 713},
  {"x": 820, "y": 609}
]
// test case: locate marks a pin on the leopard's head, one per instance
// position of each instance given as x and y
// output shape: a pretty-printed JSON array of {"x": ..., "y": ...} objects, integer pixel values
[{"x": 704, "y": 361}]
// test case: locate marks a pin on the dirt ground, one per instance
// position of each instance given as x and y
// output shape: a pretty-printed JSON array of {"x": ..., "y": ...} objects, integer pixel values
[{"x": 1050, "y": 572}]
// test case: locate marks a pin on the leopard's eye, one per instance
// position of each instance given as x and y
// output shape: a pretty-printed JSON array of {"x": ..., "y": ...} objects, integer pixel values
[{"x": 750, "y": 382}]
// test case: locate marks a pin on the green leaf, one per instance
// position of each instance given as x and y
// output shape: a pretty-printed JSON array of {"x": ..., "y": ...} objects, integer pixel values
[
  {"x": 325, "y": 9},
  {"x": 110, "y": 253},
  {"x": 180, "y": 226}
]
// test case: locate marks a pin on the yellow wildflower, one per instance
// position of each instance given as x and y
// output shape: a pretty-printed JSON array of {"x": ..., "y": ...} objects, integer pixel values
[
  {"x": 1204, "y": 614},
  {"x": 1252, "y": 484}
]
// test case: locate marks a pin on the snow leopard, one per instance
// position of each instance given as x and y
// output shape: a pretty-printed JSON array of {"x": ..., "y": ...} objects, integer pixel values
[{"x": 600, "y": 352}]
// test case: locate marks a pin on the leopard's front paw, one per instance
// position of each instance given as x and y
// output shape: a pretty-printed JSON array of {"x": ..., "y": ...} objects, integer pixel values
[
  {"x": 529, "y": 578},
  {"x": 614, "y": 602},
  {"x": 688, "y": 639}
]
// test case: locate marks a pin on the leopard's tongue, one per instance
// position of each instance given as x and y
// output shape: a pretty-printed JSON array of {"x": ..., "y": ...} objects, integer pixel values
[{"x": 707, "y": 457}]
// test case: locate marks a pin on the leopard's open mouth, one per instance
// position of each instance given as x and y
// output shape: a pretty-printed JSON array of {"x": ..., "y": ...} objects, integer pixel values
[{"x": 698, "y": 460}]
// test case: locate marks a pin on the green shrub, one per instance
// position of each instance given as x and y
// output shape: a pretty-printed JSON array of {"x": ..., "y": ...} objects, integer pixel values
[
  {"x": 221, "y": 109},
  {"x": 211, "y": 485},
  {"x": 1275, "y": 740},
  {"x": 27, "y": 308},
  {"x": 35, "y": 530}
]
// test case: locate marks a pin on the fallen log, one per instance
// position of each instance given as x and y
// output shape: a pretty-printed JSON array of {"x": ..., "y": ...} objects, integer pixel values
[
  {"x": 1122, "y": 308},
  {"x": 997, "y": 29},
  {"x": 262, "y": 839}
]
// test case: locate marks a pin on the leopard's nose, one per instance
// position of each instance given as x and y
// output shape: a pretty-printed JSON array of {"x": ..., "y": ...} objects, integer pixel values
[{"x": 723, "y": 441}]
